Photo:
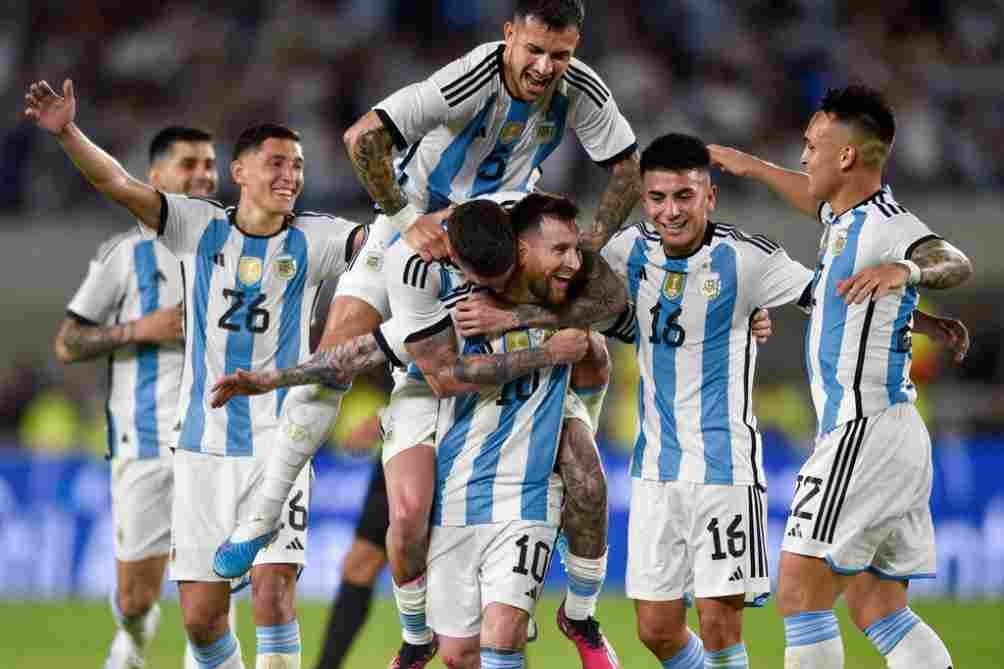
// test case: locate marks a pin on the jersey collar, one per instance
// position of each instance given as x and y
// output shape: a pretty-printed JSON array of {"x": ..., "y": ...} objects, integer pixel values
[
  {"x": 709, "y": 235},
  {"x": 232, "y": 217}
]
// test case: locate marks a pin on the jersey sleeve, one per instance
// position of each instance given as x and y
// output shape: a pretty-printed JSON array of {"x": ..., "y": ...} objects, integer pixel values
[
  {"x": 778, "y": 280},
  {"x": 183, "y": 219},
  {"x": 598, "y": 123},
  {"x": 904, "y": 233},
  {"x": 413, "y": 291},
  {"x": 446, "y": 96},
  {"x": 105, "y": 284},
  {"x": 334, "y": 253},
  {"x": 617, "y": 252}
]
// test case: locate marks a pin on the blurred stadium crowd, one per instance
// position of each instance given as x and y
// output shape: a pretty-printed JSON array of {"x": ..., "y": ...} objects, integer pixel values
[{"x": 743, "y": 73}]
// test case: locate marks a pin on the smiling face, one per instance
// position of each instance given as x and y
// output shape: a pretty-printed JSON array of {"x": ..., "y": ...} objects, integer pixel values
[
  {"x": 188, "y": 167},
  {"x": 677, "y": 203},
  {"x": 550, "y": 258},
  {"x": 271, "y": 176},
  {"x": 536, "y": 55}
]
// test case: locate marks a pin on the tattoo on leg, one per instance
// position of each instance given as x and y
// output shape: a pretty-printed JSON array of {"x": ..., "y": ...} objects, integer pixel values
[{"x": 584, "y": 517}]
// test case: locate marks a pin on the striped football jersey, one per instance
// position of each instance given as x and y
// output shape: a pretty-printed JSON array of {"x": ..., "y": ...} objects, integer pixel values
[
  {"x": 496, "y": 449},
  {"x": 464, "y": 135},
  {"x": 128, "y": 279},
  {"x": 695, "y": 350},
  {"x": 248, "y": 303},
  {"x": 858, "y": 355}
]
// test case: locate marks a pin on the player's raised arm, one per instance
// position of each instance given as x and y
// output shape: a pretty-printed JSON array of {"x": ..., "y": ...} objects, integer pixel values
[
  {"x": 56, "y": 113},
  {"x": 791, "y": 185},
  {"x": 618, "y": 199},
  {"x": 370, "y": 145}
]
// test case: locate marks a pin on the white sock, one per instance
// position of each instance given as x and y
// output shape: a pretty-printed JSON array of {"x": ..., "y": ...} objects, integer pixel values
[
  {"x": 813, "y": 641},
  {"x": 585, "y": 580},
  {"x": 278, "y": 646},
  {"x": 307, "y": 415},
  {"x": 140, "y": 629},
  {"x": 907, "y": 641},
  {"x": 224, "y": 653},
  {"x": 410, "y": 598}
]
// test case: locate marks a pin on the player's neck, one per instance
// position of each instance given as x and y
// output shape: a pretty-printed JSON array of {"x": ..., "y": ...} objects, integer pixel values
[
  {"x": 855, "y": 191},
  {"x": 254, "y": 220}
]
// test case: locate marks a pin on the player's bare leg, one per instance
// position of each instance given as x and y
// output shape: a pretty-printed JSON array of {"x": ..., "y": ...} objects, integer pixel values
[
  {"x": 204, "y": 612},
  {"x": 411, "y": 476},
  {"x": 807, "y": 591},
  {"x": 273, "y": 597},
  {"x": 503, "y": 636},
  {"x": 662, "y": 628},
  {"x": 134, "y": 605},
  {"x": 460, "y": 652},
  {"x": 879, "y": 608},
  {"x": 721, "y": 621},
  {"x": 307, "y": 416}
]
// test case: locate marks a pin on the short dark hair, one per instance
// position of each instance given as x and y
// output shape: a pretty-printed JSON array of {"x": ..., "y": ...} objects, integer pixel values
[
  {"x": 482, "y": 236},
  {"x": 252, "y": 138},
  {"x": 529, "y": 212},
  {"x": 162, "y": 142},
  {"x": 556, "y": 14},
  {"x": 866, "y": 110},
  {"x": 675, "y": 152}
]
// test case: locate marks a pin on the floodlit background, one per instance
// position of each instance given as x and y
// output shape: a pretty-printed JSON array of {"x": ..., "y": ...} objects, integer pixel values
[{"x": 747, "y": 74}]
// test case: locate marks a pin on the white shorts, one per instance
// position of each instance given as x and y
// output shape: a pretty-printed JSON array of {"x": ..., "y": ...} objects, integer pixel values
[
  {"x": 410, "y": 417},
  {"x": 585, "y": 407},
  {"x": 365, "y": 279},
  {"x": 477, "y": 565},
  {"x": 698, "y": 539},
  {"x": 862, "y": 498},
  {"x": 212, "y": 493},
  {"x": 141, "y": 506}
]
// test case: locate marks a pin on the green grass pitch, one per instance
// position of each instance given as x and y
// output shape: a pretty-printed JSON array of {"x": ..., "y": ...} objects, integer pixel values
[{"x": 77, "y": 633}]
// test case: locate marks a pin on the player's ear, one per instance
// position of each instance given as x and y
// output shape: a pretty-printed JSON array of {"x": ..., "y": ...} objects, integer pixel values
[
  {"x": 507, "y": 32},
  {"x": 237, "y": 172},
  {"x": 153, "y": 176},
  {"x": 848, "y": 156},
  {"x": 712, "y": 197},
  {"x": 522, "y": 250}
]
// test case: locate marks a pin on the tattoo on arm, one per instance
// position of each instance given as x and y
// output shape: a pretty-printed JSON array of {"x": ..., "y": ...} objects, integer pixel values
[
  {"x": 941, "y": 264},
  {"x": 337, "y": 365},
  {"x": 87, "y": 342},
  {"x": 616, "y": 203},
  {"x": 603, "y": 296},
  {"x": 372, "y": 157}
]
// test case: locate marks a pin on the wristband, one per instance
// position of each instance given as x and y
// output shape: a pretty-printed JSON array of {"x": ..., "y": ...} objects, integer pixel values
[
  {"x": 405, "y": 218},
  {"x": 914, "y": 269}
]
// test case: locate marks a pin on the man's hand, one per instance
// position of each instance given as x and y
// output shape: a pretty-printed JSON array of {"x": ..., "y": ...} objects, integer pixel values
[
  {"x": 483, "y": 314},
  {"x": 732, "y": 160},
  {"x": 162, "y": 325},
  {"x": 761, "y": 326},
  {"x": 48, "y": 109},
  {"x": 875, "y": 282},
  {"x": 242, "y": 383},
  {"x": 948, "y": 332},
  {"x": 568, "y": 346},
  {"x": 427, "y": 236}
]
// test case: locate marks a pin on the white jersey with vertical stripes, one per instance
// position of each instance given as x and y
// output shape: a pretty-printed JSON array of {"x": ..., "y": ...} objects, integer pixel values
[
  {"x": 695, "y": 350},
  {"x": 129, "y": 278},
  {"x": 464, "y": 135},
  {"x": 858, "y": 356},
  {"x": 248, "y": 302},
  {"x": 496, "y": 449}
]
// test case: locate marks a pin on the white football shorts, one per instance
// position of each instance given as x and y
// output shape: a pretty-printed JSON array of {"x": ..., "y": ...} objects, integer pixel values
[{"x": 141, "y": 506}]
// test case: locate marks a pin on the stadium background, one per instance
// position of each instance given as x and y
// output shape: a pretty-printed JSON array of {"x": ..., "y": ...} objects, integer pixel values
[{"x": 746, "y": 74}]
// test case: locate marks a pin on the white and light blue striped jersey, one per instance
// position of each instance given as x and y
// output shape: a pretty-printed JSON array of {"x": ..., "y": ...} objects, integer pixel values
[
  {"x": 248, "y": 303},
  {"x": 858, "y": 356},
  {"x": 464, "y": 135},
  {"x": 129, "y": 278},
  {"x": 496, "y": 449},
  {"x": 695, "y": 351}
]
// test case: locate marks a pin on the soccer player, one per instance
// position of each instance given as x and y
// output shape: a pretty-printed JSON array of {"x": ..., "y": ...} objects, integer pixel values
[
  {"x": 129, "y": 309},
  {"x": 484, "y": 123},
  {"x": 251, "y": 272},
  {"x": 860, "y": 523}
]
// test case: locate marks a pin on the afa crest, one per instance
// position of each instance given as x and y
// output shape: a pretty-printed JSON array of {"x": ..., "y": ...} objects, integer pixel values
[
  {"x": 249, "y": 270},
  {"x": 511, "y": 132},
  {"x": 285, "y": 267},
  {"x": 517, "y": 340},
  {"x": 545, "y": 132},
  {"x": 673, "y": 284},
  {"x": 839, "y": 242},
  {"x": 711, "y": 286}
]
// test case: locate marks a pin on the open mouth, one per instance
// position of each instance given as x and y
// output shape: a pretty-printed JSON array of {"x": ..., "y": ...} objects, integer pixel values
[
  {"x": 536, "y": 84},
  {"x": 284, "y": 194}
]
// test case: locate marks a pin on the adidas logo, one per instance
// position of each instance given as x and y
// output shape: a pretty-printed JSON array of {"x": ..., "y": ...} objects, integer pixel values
[
  {"x": 737, "y": 575},
  {"x": 294, "y": 545},
  {"x": 795, "y": 531}
]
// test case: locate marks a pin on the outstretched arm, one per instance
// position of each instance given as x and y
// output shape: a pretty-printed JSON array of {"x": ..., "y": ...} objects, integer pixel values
[
  {"x": 55, "y": 113},
  {"x": 76, "y": 341},
  {"x": 791, "y": 185},
  {"x": 616, "y": 203},
  {"x": 371, "y": 149}
]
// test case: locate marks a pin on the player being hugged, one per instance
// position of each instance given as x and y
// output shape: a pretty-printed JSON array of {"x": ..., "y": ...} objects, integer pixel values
[{"x": 251, "y": 273}]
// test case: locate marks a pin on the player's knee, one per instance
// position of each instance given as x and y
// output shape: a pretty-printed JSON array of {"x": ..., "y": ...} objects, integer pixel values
[
  {"x": 720, "y": 628},
  {"x": 461, "y": 658},
  {"x": 272, "y": 594},
  {"x": 661, "y": 636},
  {"x": 136, "y": 599},
  {"x": 204, "y": 624},
  {"x": 409, "y": 514}
]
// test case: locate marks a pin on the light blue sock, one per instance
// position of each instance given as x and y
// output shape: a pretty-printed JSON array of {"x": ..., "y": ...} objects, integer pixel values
[
  {"x": 691, "y": 657},
  {"x": 733, "y": 657},
  {"x": 501, "y": 659},
  {"x": 805, "y": 629},
  {"x": 279, "y": 639},
  {"x": 888, "y": 631},
  {"x": 216, "y": 653}
]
